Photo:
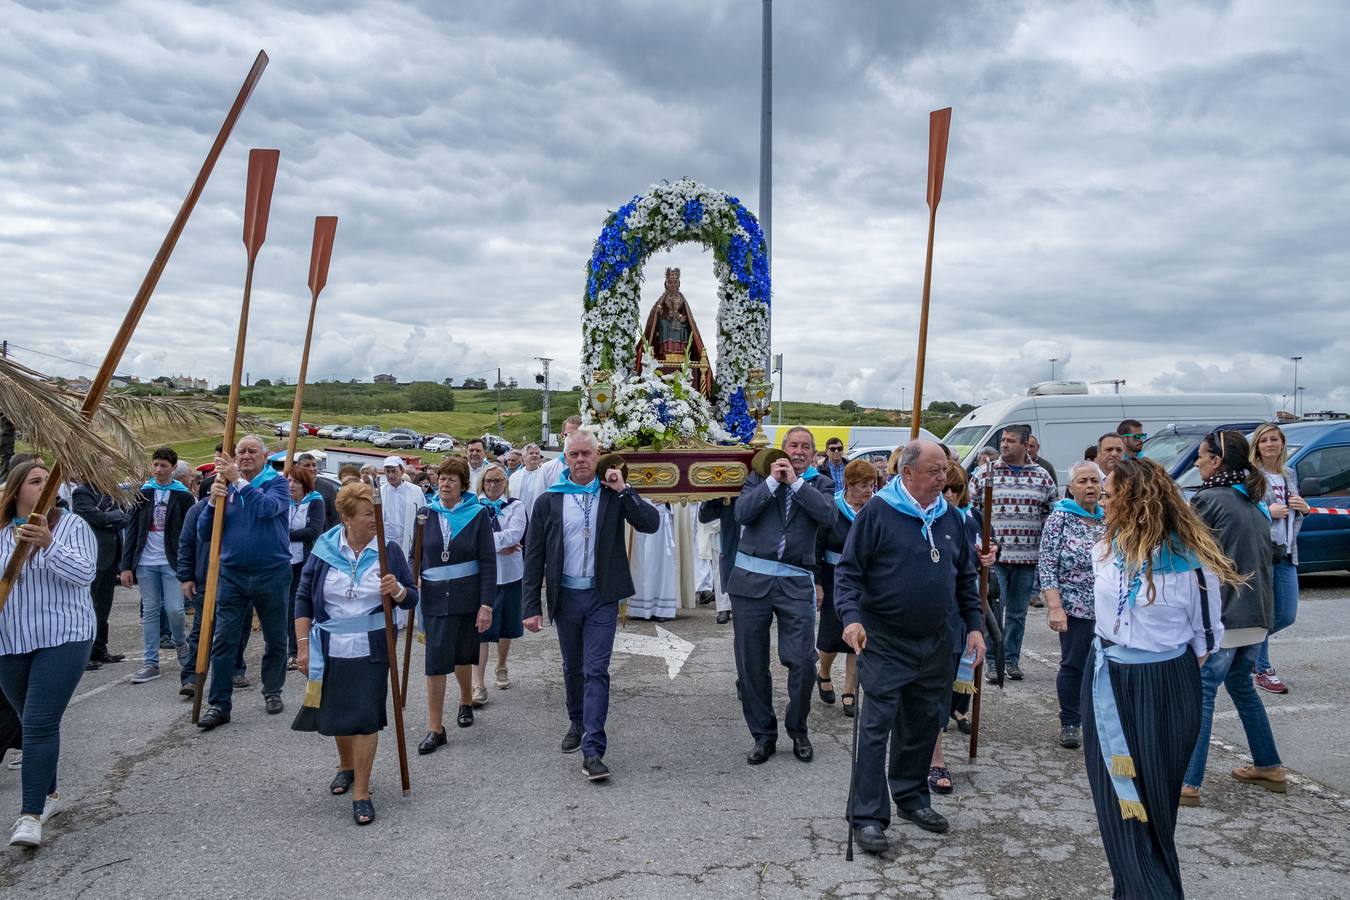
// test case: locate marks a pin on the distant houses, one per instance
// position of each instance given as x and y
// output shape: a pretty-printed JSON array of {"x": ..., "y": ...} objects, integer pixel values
[{"x": 385, "y": 379}]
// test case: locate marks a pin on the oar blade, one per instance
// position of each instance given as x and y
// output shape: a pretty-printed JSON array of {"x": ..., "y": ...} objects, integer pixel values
[
  {"x": 939, "y": 125},
  {"x": 325, "y": 229},
  {"x": 262, "y": 177}
]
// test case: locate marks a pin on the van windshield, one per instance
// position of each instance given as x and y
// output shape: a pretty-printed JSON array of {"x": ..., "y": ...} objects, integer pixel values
[
  {"x": 1169, "y": 448},
  {"x": 963, "y": 440}
]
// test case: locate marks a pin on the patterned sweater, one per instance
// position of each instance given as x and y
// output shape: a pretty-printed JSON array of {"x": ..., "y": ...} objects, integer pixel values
[
  {"x": 1067, "y": 543},
  {"x": 1023, "y": 496}
]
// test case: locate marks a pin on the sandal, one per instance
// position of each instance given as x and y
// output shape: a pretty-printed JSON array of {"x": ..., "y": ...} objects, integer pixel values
[
  {"x": 465, "y": 717},
  {"x": 363, "y": 811},
  {"x": 290, "y": 665},
  {"x": 825, "y": 695},
  {"x": 937, "y": 775},
  {"x": 962, "y": 723},
  {"x": 847, "y": 706},
  {"x": 342, "y": 782}
]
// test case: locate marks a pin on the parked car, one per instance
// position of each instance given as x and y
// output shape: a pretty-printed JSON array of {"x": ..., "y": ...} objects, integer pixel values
[
  {"x": 417, "y": 438},
  {"x": 1176, "y": 446},
  {"x": 442, "y": 444},
  {"x": 395, "y": 440},
  {"x": 427, "y": 438},
  {"x": 496, "y": 445},
  {"x": 343, "y": 432},
  {"x": 283, "y": 429},
  {"x": 326, "y": 431},
  {"x": 1319, "y": 454},
  {"x": 365, "y": 434}
]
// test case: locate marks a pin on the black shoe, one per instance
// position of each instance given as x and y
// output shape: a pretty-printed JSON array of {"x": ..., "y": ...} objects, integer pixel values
[
  {"x": 990, "y": 676},
  {"x": 93, "y": 665},
  {"x": 926, "y": 819},
  {"x": 724, "y": 617},
  {"x": 825, "y": 696},
  {"x": 571, "y": 741},
  {"x": 274, "y": 705},
  {"x": 105, "y": 657},
  {"x": 433, "y": 740},
  {"x": 594, "y": 768},
  {"x": 465, "y": 717},
  {"x": 213, "y": 717},
  {"x": 1014, "y": 672},
  {"x": 764, "y": 748},
  {"x": 871, "y": 839},
  {"x": 1071, "y": 737},
  {"x": 802, "y": 749},
  {"x": 848, "y": 708},
  {"x": 963, "y": 724}
]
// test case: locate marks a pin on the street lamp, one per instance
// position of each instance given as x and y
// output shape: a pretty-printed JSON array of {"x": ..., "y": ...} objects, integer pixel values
[
  {"x": 1296, "y": 362},
  {"x": 1053, "y": 360}
]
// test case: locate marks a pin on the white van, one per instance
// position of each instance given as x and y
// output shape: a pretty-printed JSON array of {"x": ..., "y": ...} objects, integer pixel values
[{"x": 1066, "y": 418}]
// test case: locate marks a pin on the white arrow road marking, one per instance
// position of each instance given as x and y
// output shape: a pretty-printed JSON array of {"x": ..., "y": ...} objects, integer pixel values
[{"x": 670, "y": 647}]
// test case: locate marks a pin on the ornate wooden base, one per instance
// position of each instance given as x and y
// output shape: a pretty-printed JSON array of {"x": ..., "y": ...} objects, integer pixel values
[{"x": 688, "y": 475}]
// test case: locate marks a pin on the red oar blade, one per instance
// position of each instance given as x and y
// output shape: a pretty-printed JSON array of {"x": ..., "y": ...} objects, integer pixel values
[
  {"x": 939, "y": 124},
  {"x": 325, "y": 228},
  {"x": 262, "y": 176}
]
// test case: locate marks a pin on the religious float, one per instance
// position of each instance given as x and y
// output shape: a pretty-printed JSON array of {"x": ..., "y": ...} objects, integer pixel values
[{"x": 686, "y": 431}]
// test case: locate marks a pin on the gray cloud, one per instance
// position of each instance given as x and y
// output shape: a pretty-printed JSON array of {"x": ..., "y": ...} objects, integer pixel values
[{"x": 1149, "y": 192}]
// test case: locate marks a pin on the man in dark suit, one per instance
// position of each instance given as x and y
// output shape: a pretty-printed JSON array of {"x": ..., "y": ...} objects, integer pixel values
[
  {"x": 107, "y": 519},
  {"x": 575, "y": 543},
  {"x": 774, "y": 575}
]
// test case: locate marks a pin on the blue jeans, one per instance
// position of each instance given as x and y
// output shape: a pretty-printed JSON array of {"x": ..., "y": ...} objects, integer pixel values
[
  {"x": 1233, "y": 669},
  {"x": 1286, "y": 607},
  {"x": 586, "y": 638},
  {"x": 1014, "y": 589},
  {"x": 265, "y": 592},
  {"x": 159, "y": 591},
  {"x": 39, "y": 686}
]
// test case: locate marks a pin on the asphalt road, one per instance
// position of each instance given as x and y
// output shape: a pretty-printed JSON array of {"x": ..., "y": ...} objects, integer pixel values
[{"x": 157, "y": 808}]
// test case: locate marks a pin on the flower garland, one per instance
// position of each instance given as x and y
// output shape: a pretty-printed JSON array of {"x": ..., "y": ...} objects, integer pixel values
[{"x": 670, "y": 214}]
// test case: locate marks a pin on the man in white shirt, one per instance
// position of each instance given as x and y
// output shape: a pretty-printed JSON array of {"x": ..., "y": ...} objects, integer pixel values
[
  {"x": 527, "y": 482},
  {"x": 1110, "y": 451},
  {"x": 476, "y": 451},
  {"x": 553, "y": 468},
  {"x": 401, "y": 500}
]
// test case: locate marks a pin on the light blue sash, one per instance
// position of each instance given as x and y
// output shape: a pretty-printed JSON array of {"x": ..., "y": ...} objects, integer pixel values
[
  {"x": 1110, "y": 733},
  {"x": 965, "y": 675},
  {"x": 832, "y": 558},
  {"x": 450, "y": 573},
  {"x": 349, "y": 625},
  {"x": 578, "y": 582},
  {"x": 771, "y": 567},
  {"x": 174, "y": 485}
]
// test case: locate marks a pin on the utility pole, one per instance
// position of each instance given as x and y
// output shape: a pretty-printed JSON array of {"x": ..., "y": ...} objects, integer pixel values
[
  {"x": 1296, "y": 360},
  {"x": 766, "y": 164},
  {"x": 543, "y": 440},
  {"x": 499, "y": 401}
]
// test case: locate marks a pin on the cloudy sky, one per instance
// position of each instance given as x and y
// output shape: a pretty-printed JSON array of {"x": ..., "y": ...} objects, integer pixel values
[{"x": 1151, "y": 191}]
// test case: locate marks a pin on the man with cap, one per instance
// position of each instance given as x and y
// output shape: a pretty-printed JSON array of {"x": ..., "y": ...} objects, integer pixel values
[
  {"x": 779, "y": 514},
  {"x": 401, "y": 500}
]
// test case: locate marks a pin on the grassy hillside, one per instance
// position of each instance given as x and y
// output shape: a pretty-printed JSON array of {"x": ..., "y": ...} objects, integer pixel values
[{"x": 474, "y": 413}]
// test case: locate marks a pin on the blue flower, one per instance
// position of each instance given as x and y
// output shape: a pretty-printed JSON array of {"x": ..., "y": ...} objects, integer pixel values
[
  {"x": 739, "y": 423},
  {"x": 693, "y": 212}
]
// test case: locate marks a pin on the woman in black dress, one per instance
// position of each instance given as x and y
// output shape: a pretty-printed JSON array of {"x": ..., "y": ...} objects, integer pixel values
[
  {"x": 860, "y": 483},
  {"x": 459, "y": 585},
  {"x": 339, "y": 627}
]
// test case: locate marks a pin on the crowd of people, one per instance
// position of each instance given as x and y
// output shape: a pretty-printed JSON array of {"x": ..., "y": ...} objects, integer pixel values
[{"x": 1156, "y": 601}]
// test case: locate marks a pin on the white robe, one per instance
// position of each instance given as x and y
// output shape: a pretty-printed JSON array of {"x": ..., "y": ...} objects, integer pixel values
[
  {"x": 710, "y": 563},
  {"x": 663, "y": 566},
  {"x": 528, "y": 486}
]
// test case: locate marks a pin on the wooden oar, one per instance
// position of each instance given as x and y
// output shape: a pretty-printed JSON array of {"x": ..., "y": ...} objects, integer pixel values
[
  {"x": 418, "y": 530},
  {"x": 391, "y": 642},
  {"x": 939, "y": 124},
  {"x": 988, "y": 511},
  {"x": 325, "y": 227},
  {"x": 262, "y": 176},
  {"x": 94, "y": 396}
]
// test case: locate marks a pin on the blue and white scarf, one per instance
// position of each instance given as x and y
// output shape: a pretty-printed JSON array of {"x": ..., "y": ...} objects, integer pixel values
[
  {"x": 463, "y": 513},
  {"x": 565, "y": 485}
]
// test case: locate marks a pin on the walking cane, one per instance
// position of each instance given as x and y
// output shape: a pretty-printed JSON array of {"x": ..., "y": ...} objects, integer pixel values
[
  {"x": 262, "y": 177},
  {"x": 412, "y": 616},
  {"x": 94, "y": 396},
  {"x": 391, "y": 643},
  {"x": 853, "y": 759}
]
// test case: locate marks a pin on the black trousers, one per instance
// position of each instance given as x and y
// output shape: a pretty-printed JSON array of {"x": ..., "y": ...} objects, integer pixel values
[
  {"x": 906, "y": 685},
  {"x": 102, "y": 593},
  {"x": 751, "y": 618},
  {"x": 1075, "y": 651}
]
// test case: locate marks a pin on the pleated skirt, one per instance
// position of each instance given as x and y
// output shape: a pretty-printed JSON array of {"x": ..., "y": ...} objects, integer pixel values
[{"x": 1159, "y": 707}]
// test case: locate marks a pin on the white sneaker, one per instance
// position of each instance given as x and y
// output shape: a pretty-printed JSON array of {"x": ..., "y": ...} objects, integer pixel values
[
  {"x": 27, "y": 832},
  {"x": 51, "y": 807},
  {"x": 16, "y": 762}
]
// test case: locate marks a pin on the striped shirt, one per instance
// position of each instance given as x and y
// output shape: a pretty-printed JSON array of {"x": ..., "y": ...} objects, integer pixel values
[{"x": 49, "y": 604}]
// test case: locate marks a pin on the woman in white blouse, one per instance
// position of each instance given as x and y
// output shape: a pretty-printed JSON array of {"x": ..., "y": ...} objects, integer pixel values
[
  {"x": 46, "y": 631},
  {"x": 508, "y": 517},
  {"x": 1157, "y": 575},
  {"x": 339, "y": 625}
]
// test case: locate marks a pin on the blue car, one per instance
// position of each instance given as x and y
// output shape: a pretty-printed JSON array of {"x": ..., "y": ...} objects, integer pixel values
[
  {"x": 1319, "y": 454},
  {"x": 1176, "y": 446}
]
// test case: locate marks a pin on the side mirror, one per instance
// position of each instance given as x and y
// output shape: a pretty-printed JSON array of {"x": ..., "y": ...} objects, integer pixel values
[{"x": 1310, "y": 487}]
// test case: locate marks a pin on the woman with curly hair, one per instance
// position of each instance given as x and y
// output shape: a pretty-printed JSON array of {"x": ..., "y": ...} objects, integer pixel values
[
  {"x": 1229, "y": 502},
  {"x": 1156, "y": 581}
]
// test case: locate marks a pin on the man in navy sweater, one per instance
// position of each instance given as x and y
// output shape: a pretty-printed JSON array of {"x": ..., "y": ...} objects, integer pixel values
[
  {"x": 255, "y": 568},
  {"x": 906, "y": 562}
]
